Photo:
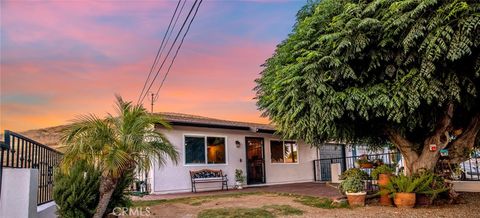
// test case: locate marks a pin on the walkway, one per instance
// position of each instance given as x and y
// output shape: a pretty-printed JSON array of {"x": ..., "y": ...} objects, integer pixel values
[{"x": 310, "y": 188}]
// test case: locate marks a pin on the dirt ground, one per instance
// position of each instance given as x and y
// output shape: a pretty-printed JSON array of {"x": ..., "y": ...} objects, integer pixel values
[{"x": 469, "y": 208}]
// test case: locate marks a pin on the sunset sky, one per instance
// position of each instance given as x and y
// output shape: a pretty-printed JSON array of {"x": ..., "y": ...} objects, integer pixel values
[{"x": 60, "y": 59}]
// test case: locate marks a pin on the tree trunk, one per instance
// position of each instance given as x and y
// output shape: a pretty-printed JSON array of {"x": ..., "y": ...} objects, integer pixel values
[
  {"x": 459, "y": 149},
  {"x": 107, "y": 186}
]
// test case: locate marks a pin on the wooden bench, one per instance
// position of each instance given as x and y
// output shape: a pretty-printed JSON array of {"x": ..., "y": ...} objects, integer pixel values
[{"x": 207, "y": 176}]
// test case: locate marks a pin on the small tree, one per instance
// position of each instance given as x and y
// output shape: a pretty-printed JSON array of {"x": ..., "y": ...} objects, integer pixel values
[
  {"x": 116, "y": 145},
  {"x": 403, "y": 71}
]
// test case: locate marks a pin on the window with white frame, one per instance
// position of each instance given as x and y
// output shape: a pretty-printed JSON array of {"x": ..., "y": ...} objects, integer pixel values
[
  {"x": 283, "y": 151},
  {"x": 205, "y": 150}
]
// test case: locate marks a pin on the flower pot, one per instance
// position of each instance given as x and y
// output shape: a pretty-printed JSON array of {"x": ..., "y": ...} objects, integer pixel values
[
  {"x": 238, "y": 185},
  {"x": 366, "y": 165},
  {"x": 356, "y": 199},
  {"x": 422, "y": 200},
  {"x": 404, "y": 200},
  {"x": 385, "y": 200},
  {"x": 383, "y": 180}
]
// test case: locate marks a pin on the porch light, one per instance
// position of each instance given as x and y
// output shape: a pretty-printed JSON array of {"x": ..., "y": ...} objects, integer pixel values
[{"x": 237, "y": 143}]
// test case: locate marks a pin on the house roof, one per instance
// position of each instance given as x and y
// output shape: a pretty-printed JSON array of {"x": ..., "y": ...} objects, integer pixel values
[
  {"x": 178, "y": 119},
  {"x": 51, "y": 135}
]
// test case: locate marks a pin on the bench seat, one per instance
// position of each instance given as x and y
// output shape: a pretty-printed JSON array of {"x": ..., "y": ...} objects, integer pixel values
[{"x": 208, "y": 176}]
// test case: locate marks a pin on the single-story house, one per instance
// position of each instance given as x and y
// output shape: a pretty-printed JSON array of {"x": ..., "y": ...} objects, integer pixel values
[{"x": 207, "y": 143}]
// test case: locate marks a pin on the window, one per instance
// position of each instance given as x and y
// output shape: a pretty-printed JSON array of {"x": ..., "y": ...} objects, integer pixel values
[
  {"x": 197, "y": 153},
  {"x": 284, "y": 151}
]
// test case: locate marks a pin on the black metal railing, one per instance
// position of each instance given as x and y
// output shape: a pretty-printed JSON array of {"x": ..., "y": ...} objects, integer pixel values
[
  {"x": 468, "y": 170},
  {"x": 322, "y": 170},
  {"x": 21, "y": 152}
]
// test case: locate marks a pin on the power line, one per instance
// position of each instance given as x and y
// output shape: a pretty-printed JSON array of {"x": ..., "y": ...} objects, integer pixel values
[
  {"x": 176, "y": 52},
  {"x": 159, "y": 50},
  {"x": 170, "y": 50}
]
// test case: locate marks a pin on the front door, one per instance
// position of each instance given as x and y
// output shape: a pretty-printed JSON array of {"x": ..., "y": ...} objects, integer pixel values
[{"x": 255, "y": 160}]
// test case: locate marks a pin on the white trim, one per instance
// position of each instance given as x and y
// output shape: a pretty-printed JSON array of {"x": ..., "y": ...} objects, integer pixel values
[
  {"x": 205, "y": 136},
  {"x": 283, "y": 146}
]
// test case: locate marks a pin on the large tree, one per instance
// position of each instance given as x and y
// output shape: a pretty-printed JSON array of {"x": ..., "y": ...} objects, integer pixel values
[
  {"x": 116, "y": 145},
  {"x": 404, "y": 71}
]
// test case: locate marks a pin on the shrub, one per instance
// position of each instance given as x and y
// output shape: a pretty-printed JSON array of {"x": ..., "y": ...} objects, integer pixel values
[
  {"x": 354, "y": 172},
  {"x": 352, "y": 185},
  {"x": 433, "y": 185},
  {"x": 382, "y": 169},
  {"x": 77, "y": 192},
  {"x": 410, "y": 184}
]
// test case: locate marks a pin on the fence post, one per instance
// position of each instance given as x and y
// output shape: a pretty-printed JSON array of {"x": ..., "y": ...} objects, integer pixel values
[{"x": 19, "y": 197}]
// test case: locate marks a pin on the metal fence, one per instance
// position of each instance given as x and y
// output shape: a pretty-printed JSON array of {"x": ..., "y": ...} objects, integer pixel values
[
  {"x": 21, "y": 152},
  {"x": 468, "y": 170},
  {"x": 322, "y": 170}
]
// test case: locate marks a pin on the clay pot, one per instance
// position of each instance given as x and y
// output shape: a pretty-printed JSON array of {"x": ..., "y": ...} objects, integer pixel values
[
  {"x": 404, "y": 200},
  {"x": 356, "y": 199},
  {"x": 385, "y": 200},
  {"x": 384, "y": 179},
  {"x": 422, "y": 200},
  {"x": 366, "y": 165}
]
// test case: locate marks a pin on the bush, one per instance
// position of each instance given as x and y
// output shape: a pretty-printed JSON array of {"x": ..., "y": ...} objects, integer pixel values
[
  {"x": 405, "y": 184},
  {"x": 77, "y": 192},
  {"x": 352, "y": 185},
  {"x": 382, "y": 169},
  {"x": 433, "y": 185},
  {"x": 354, "y": 172}
]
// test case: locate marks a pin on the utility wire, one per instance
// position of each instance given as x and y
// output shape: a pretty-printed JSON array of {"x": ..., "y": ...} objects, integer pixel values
[
  {"x": 176, "y": 52},
  {"x": 170, "y": 50},
  {"x": 159, "y": 51}
]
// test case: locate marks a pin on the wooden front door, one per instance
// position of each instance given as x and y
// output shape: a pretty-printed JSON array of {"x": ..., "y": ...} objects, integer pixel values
[{"x": 255, "y": 160}]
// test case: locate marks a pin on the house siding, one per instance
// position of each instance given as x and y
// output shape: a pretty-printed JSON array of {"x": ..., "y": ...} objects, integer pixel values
[{"x": 173, "y": 178}]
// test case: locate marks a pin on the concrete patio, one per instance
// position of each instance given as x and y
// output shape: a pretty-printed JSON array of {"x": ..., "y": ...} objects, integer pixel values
[{"x": 309, "y": 188}]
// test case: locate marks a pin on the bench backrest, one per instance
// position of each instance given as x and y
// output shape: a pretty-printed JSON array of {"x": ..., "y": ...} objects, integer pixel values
[{"x": 205, "y": 173}]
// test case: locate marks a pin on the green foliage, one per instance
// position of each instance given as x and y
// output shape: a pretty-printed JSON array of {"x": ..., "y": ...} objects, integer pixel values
[
  {"x": 116, "y": 145},
  {"x": 239, "y": 176},
  {"x": 76, "y": 192},
  {"x": 351, "y": 68},
  {"x": 382, "y": 169},
  {"x": 352, "y": 185},
  {"x": 354, "y": 172},
  {"x": 406, "y": 184},
  {"x": 433, "y": 186},
  {"x": 325, "y": 203}
]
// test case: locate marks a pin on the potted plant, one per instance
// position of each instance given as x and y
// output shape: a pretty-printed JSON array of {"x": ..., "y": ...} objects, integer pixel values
[
  {"x": 353, "y": 188},
  {"x": 402, "y": 189},
  {"x": 239, "y": 179},
  {"x": 363, "y": 162},
  {"x": 382, "y": 175},
  {"x": 429, "y": 190},
  {"x": 354, "y": 172}
]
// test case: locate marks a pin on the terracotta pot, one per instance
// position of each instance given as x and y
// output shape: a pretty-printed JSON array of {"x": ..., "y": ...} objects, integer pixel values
[
  {"x": 422, "y": 200},
  {"x": 385, "y": 200},
  {"x": 366, "y": 165},
  {"x": 356, "y": 199},
  {"x": 404, "y": 200},
  {"x": 383, "y": 179}
]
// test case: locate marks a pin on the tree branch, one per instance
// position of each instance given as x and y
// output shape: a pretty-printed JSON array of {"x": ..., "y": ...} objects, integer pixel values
[{"x": 465, "y": 142}]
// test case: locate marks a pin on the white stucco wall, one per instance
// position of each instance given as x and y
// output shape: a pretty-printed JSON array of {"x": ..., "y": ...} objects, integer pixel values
[
  {"x": 19, "y": 193},
  {"x": 175, "y": 178}
]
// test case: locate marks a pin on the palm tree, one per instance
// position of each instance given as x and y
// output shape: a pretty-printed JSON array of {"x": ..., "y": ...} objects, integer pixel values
[{"x": 116, "y": 145}]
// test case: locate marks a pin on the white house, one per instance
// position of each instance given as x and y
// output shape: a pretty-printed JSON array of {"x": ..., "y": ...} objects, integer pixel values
[{"x": 207, "y": 143}]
